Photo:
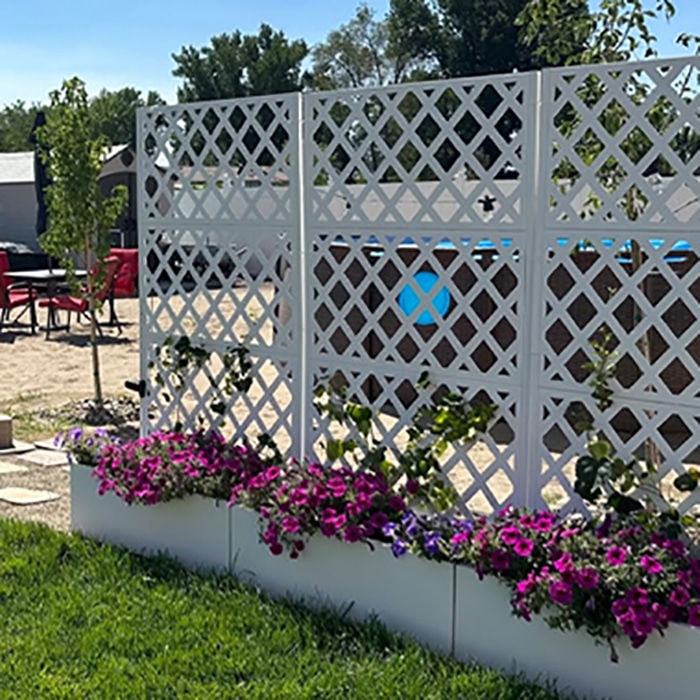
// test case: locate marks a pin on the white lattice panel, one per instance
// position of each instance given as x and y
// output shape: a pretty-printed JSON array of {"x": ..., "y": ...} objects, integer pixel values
[
  {"x": 424, "y": 154},
  {"x": 619, "y": 252},
  {"x": 424, "y": 229},
  {"x": 220, "y": 238},
  {"x": 621, "y": 145}
]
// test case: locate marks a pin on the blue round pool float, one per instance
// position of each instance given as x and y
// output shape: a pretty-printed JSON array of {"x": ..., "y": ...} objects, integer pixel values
[{"x": 409, "y": 300}]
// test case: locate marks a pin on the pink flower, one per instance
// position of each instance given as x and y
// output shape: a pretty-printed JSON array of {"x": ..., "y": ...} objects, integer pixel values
[
  {"x": 694, "y": 616},
  {"x": 290, "y": 524},
  {"x": 675, "y": 548},
  {"x": 276, "y": 549},
  {"x": 352, "y": 533},
  {"x": 653, "y": 566},
  {"x": 680, "y": 597},
  {"x": 379, "y": 520},
  {"x": 510, "y": 535},
  {"x": 544, "y": 523},
  {"x": 524, "y": 547},
  {"x": 561, "y": 592},
  {"x": 299, "y": 497},
  {"x": 587, "y": 578},
  {"x": 643, "y": 625},
  {"x": 563, "y": 563},
  {"x": 459, "y": 538},
  {"x": 337, "y": 486},
  {"x": 616, "y": 556}
]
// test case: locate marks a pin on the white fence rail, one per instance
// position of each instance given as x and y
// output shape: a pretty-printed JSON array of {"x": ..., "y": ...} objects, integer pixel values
[{"x": 482, "y": 229}]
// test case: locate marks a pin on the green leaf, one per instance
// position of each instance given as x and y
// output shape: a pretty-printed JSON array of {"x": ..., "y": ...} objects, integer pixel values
[
  {"x": 586, "y": 478},
  {"x": 335, "y": 449},
  {"x": 685, "y": 482},
  {"x": 600, "y": 449},
  {"x": 624, "y": 505}
]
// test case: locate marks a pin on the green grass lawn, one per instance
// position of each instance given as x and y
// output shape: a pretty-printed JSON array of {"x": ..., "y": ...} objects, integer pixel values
[{"x": 84, "y": 621}]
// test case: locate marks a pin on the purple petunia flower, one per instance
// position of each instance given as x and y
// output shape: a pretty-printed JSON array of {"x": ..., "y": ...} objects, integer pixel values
[
  {"x": 398, "y": 548},
  {"x": 432, "y": 540},
  {"x": 616, "y": 556},
  {"x": 643, "y": 625},
  {"x": 389, "y": 529},
  {"x": 352, "y": 533},
  {"x": 561, "y": 592}
]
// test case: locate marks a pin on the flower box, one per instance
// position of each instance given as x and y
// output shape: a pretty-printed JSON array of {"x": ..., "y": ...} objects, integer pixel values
[
  {"x": 408, "y": 595},
  {"x": 487, "y": 632},
  {"x": 194, "y": 530}
]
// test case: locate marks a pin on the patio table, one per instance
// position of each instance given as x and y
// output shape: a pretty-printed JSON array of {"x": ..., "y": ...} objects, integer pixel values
[{"x": 47, "y": 279}]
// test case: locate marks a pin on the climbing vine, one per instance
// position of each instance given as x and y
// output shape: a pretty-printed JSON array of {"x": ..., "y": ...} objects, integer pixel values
[{"x": 446, "y": 420}]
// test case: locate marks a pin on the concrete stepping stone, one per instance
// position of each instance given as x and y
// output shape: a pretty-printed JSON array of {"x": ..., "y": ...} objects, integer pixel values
[
  {"x": 26, "y": 497},
  {"x": 48, "y": 445},
  {"x": 45, "y": 458},
  {"x": 9, "y": 468}
]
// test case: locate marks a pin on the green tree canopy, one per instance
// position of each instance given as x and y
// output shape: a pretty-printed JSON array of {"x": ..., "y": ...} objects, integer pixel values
[
  {"x": 238, "y": 65},
  {"x": 362, "y": 53},
  {"x": 16, "y": 122},
  {"x": 113, "y": 114},
  {"x": 477, "y": 37}
]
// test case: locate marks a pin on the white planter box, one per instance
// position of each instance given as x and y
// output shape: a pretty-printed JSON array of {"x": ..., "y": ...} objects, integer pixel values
[
  {"x": 487, "y": 632},
  {"x": 408, "y": 595},
  {"x": 194, "y": 530}
]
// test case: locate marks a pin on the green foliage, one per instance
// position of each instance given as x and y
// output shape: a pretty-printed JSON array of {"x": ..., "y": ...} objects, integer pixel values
[
  {"x": 447, "y": 421},
  {"x": 113, "y": 114},
  {"x": 116, "y": 625},
  {"x": 16, "y": 121},
  {"x": 180, "y": 358},
  {"x": 238, "y": 65},
  {"x": 361, "y": 53},
  {"x": 477, "y": 37}
]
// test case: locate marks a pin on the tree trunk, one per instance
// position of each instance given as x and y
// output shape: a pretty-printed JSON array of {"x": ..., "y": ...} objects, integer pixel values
[{"x": 93, "y": 322}]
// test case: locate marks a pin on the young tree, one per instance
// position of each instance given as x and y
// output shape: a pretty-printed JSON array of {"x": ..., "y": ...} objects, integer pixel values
[{"x": 79, "y": 217}]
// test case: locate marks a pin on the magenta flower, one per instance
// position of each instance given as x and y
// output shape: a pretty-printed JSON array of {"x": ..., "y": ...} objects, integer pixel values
[
  {"x": 352, "y": 533},
  {"x": 694, "y": 616},
  {"x": 276, "y": 549},
  {"x": 652, "y": 565},
  {"x": 397, "y": 503},
  {"x": 459, "y": 538},
  {"x": 587, "y": 578},
  {"x": 272, "y": 473},
  {"x": 510, "y": 535},
  {"x": 675, "y": 548},
  {"x": 299, "y": 497},
  {"x": 643, "y": 625},
  {"x": 379, "y": 520},
  {"x": 561, "y": 593},
  {"x": 616, "y": 556},
  {"x": 544, "y": 523},
  {"x": 563, "y": 563},
  {"x": 337, "y": 486},
  {"x": 524, "y": 547},
  {"x": 527, "y": 521},
  {"x": 680, "y": 597},
  {"x": 290, "y": 524},
  {"x": 500, "y": 560}
]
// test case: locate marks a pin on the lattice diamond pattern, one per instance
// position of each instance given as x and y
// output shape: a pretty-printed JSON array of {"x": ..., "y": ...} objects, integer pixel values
[
  {"x": 220, "y": 161},
  {"x": 421, "y": 154},
  {"x": 648, "y": 299},
  {"x": 622, "y": 145},
  {"x": 361, "y": 285},
  {"x": 630, "y": 428}
]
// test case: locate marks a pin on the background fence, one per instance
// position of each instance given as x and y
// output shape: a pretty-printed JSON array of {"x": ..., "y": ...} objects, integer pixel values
[{"x": 482, "y": 229}]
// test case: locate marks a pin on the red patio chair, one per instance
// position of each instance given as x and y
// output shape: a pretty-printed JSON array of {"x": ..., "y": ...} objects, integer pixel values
[
  {"x": 78, "y": 305},
  {"x": 13, "y": 296}
]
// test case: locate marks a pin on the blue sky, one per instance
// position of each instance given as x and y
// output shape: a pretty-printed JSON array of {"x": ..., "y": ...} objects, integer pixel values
[{"x": 112, "y": 44}]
